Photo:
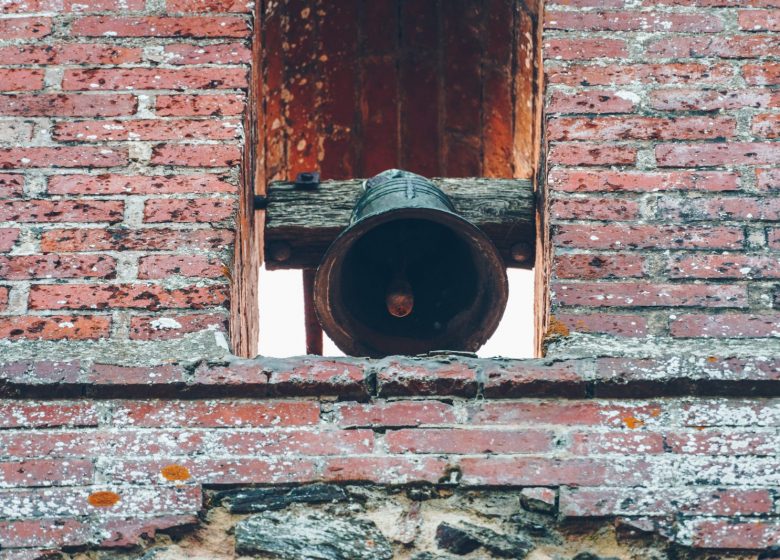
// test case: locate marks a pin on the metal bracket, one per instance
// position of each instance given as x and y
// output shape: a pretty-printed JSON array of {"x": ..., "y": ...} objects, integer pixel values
[{"x": 307, "y": 180}]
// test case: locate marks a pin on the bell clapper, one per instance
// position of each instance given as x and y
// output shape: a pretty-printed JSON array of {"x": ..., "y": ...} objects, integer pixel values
[{"x": 399, "y": 297}]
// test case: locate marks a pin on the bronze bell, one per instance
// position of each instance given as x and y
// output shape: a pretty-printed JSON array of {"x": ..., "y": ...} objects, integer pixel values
[{"x": 409, "y": 275}]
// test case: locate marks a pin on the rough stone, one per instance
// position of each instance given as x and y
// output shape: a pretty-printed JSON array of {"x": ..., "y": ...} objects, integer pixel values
[
  {"x": 255, "y": 500},
  {"x": 316, "y": 536},
  {"x": 465, "y": 538},
  {"x": 591, "y": 556},
  {"x": 541, "y": 500}
]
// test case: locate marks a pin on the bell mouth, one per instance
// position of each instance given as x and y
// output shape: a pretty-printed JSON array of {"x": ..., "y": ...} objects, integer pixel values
[{"x": 452, "y": 270}]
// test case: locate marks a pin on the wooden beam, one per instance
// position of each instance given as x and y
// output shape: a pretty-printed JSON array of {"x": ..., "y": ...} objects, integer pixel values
[
  {"x": 301, "y": 224},
  {"x": 313, "y": 328}
]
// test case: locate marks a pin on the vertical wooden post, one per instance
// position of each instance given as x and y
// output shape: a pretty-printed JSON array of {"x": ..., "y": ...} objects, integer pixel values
[{"x": 313, "y": 328}]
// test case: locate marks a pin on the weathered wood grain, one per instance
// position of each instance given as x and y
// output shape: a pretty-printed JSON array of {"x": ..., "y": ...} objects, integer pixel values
[{"x": 301, "y": 224}]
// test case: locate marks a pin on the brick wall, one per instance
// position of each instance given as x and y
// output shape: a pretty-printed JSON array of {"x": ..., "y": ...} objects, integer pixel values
[{"x": 653, "y": 421}]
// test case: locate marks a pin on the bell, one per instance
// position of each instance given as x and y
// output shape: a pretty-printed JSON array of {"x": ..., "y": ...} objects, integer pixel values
[{"x": 409, "y": 275}]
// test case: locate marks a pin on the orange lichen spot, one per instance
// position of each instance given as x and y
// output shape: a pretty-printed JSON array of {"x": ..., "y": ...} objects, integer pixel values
[
  {"x": 175, "y": 472},
  {"x": 712, "y": 359},
  {"x": 632, "y": 423},
  {"x": 103, "y": 498},
  {"x": 655, "y": 412},
  {"x": 556, "y": 328}
]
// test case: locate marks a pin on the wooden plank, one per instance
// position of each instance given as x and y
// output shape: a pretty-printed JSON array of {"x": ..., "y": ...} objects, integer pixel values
[
  {"x": 525, "y": 94},
  {"x": 313, "y": 327},
  {"x": 301, "y": 224}
]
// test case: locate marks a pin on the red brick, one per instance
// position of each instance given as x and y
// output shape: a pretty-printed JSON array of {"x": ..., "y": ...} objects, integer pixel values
[
  {"x": 768, "y": 179},
  {"x": 623, "y": 74},
  {"x": 228, "y": 53},
  {"x": 59, "y": 105},
  {"x": 645, "y": 294},
  {"x": 47, "y": 414},
  {"x": 765, "y": 74},
  {"x": 45, "y": 472},
  {"x": 404, "y": 378},
  {"x": 8, "y": 237},
  {"x": 720, "y": 442},
  {"x": 162, "y": 266},
  {"x": 138, "y": 184},
  {"x": 57, "y": 327},
  {"x": 603, "y": 502},
  {"x": 589, "y": 153},
  {"x": 199, "y": 6},
  {"x": 69, "y": 6},
  {"x": 619, "y": 236},
  {"x": 217, "y": 414},
  {"x": 641, "y": 128},
  {"x": 572, "y": 49},
  {"x": 178, "y": 27},
  {"x": 527, "y": 379},
  {"x": 734, "y": 46},
  {"x": 766, "y": 126},
  {"x": 11, "y": 186},
  {"x": 124, "y": 296},
  {"x": 703, "y": 155},
  {"x": 155, "y": 327},
  {"x": 752, "y": 534},
  {"x": 712, "y": 100},
  {"x": 76, "y": 53},
  {"x": 460, "y": 441},
  {"x": 154, "y": 78},
  {"x": 209, "y": 470},
  {"x": 589, "y": 3},
  {"x": 624, "y": 443},
  {"x": 532, "y": 471},
  {"x": 612, "y": 209},
  {"x": 601, "y": 101},
  {"x": 742, "y": 208},
  {"x": 293, "y": 442},
  {"x": 773, "y": 235},
  {"x": 37, "y": 211},
  {"x": 387, "y": 470},
  {"x": 62, "y": 156},
  {"x": 24, "y": 28},
  {"x": 395, "y": 414},
  {"x": 562, "y": 413},
  {"x": 724, "y": 266},
  {"x": 19, "y": 79},
  {"x": 148, "y": 129},
  {"x": 199, "y": 155},
  {"x": 199, "y": 105},
  {"x": 45, "y": 532},
  {"x": 26, "y": 267},
  {"x": 632, "y": 21},
  {"x": 605, "y": 323},
  {"x": 632, "y": 181},
  {"x": 730, "y": 325},
  {"x": 188, "y": 210},
  {"x": 746, "y": 413},
  {"x": 717, "y": 3},
  {"x": 759, "y": 20},
  {"x": 590, "y": 266},
  {"x": 108, "y": 374},
  {"x": 120, "y": 239}
]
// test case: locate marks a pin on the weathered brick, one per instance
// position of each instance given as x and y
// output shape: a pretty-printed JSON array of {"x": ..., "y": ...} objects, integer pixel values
[
  {"x": 68, "y": 6},
  {"x": 138, "y": 184},
  {"x": 26, "y": 267},
  {"x": 773, "y": 235},
  {"x": 612, "y": 209},
  {"x": 632, "y": 181},
  {"x": 716, "y": 3},
  {"x": 403, "y": 378},
  {"x": 768, "y": 179},
  {"x": 125, "y": 376},
  {"x": 766, "y": 126},
  {"x": 8, "y": 237},
  {"x": 724, "y": 266},
  {"x": 604, "y": 101},
  {"x": 386, "y": 470},
  {"x": 24, "y": 28},
  {"x": 572, "y": 49},
  {"x": 45, "y": 533},
  {"x": 58, "y": 327},
  {"x": 591, "y": 266},
  {"x": 11, "y": 185},
  {"x": 61, "y": 156},
  {"x": 293, "y": 442},
  {"x": 720, "y": 442},
  {"x": 706, "y": 155},
  {"x": 162, "y": 266},
  {"x": 623, "y": 74},
  {"x": 154, "y": 78},
  {"x": 765, "y": 74},
  {"x": 746, "y": 413},
  {"x": 721, "y": 208},
  {"x": 120, "y": 239},
  {"x": 198, "y": 155},
  {"x": 750, "y": 534},
  {"x": 460, "y": 441},
  {"x": 47, "y": 414},
  {"x": 154, "y": 327},
  {"x": 100, "y": 26},
  {"x": 61, "y": 211},
  {"x": 619, "y": 236},
  {"x": 188, "y": 210},
  {"x": 123, "y": 296},
  {"x": 45, "y": 472},
  {"x": 532, "y": 471},
  {"x": 562, "y": 412},
  {"x": 61, "y": 105},
  {"x": 20, "y": 79},
  {"x": 712, "y": 100},
  {"x": 730, "y": 325},
  {"x": 641, "y": 128},
  {"x": 604, "y": 323},
  {"x": 228, "y": 53},
  {"x": 590, "y": 153},
  {"x": 644, "y": 294},
  {"x": 633, "y": 21},
  {"x": 75, "y": 53},
  {"x": 199, "y": 105},
  {"x": 734, "y": 46},
  {"x": 622, "y": 442},
  {"x": 148, "y": 129},
  {"x": 759, "y": 20},
  {"x": 199, "y": 6},
  {"x": 216, "y": 414},
  {"x": 395, "y": 414}
]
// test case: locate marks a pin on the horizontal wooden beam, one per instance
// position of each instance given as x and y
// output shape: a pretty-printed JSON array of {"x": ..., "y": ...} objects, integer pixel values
[{"x": 301, "y": 224}]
